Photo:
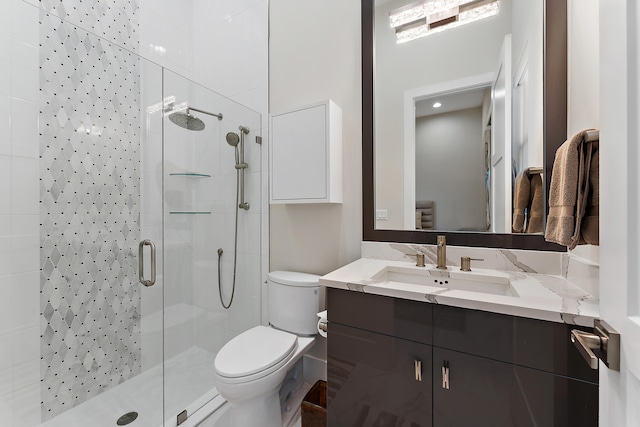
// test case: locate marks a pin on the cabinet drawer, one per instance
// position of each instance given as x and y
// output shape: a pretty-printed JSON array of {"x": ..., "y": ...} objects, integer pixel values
[
  {"x": 405, "y": 319},
  {"x": 371, "y": 380},
  {"x": 475, "y": 332}
]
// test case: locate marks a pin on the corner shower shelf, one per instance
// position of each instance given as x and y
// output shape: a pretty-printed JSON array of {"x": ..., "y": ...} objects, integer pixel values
[
  {"x": 191, "y": 174},
  {"x": 190, "y": 213}
]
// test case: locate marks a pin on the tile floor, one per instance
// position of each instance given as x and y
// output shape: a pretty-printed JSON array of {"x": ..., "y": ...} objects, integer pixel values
[{"x": 188, "y": 385}]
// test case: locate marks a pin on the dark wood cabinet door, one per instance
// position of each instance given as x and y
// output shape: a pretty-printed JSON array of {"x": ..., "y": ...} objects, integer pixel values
[
  {"x": 547, "y": 346},
  {"x": 479, "y": 393},
  {"x": 372, "y": 380},
  {"x": 485, "y": 392},
  {"x": 544, "y": 399}
]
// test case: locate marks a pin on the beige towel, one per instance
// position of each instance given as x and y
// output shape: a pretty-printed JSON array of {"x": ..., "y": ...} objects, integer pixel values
[
  {"x": 426, "y": 208},
  {"x": 520, "y": 201},
  {"x": 536, "y": 206},
  {"x": 569, "y": 191},
  {"x": 590, "y": 232}
]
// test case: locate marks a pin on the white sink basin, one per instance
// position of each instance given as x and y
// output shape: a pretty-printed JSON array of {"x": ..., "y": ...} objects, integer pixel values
[{"x": 482, "y": 281}]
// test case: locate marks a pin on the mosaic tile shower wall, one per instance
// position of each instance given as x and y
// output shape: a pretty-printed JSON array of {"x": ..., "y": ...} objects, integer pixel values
[
  {"x": 89, "y": 214},
  {"x": 113, "y": 20}
]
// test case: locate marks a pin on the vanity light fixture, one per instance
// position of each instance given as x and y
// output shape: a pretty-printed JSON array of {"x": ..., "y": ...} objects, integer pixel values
[
  {"x": 437, "y": 105},
  {"x": 423, "y": 18}
]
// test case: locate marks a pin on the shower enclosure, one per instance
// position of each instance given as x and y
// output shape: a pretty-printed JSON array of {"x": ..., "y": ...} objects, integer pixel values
[{"x": 149, "y": 263}]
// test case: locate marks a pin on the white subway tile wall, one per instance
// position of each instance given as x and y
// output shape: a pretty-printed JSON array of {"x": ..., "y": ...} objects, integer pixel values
[{"x": 19, "y": 222}]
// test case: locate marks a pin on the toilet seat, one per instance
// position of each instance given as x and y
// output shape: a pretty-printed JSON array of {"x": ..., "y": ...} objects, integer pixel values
[{"x": 254, "y": 354}]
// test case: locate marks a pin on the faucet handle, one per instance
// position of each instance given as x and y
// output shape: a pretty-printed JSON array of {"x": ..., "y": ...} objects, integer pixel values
[
  {"x": 465, "y": 262},
  {"x": 419, "y": 259}
]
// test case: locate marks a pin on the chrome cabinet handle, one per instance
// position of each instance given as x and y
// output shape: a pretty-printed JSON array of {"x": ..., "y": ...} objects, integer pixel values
[
  {"x": 141, "y": 246},
  {"x": 445, "y": 375},
  {"x": 417, "y": 364},
  {"x": 603, "y": 344},
  {"x": 585, "y": 343}
]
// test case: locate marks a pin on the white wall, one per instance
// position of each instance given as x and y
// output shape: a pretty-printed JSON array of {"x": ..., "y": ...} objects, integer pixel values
[
  {"x": 583, "y": 56},
  {"x": 315, "y": 55},
  {"x": 452, "y": 142},
  {"x": 584, "y": 75}
]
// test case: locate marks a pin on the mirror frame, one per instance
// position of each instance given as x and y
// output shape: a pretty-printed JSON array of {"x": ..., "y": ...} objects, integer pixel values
[{"x": 554, "y": 134}]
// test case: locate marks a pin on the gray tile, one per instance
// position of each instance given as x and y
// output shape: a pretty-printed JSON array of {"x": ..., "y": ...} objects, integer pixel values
[{"x": 89, "y": 146}]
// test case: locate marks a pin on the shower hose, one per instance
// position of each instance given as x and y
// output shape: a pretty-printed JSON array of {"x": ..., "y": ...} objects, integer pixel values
[{"x": 235, "y": 252}]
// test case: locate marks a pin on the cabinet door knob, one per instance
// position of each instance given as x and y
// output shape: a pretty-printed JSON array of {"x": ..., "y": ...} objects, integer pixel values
[
  {"x": 418, "y": 369},
  {"x": 445, "y": 375}
]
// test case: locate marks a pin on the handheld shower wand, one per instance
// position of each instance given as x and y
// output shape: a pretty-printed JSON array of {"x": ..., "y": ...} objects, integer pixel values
[{"x": 233, "y": 139}]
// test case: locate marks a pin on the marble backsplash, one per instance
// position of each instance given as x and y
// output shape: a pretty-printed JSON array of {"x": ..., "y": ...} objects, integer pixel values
[{"x": 581, "y": 272}]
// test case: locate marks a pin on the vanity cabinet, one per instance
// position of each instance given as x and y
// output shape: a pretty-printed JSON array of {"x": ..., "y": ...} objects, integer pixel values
[
  {"x": 478, "y": 368},
  {"x": 379, "y": 362}
]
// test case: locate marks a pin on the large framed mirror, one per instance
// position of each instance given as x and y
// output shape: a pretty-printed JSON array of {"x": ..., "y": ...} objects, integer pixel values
[{"x": 427, "y": 79}]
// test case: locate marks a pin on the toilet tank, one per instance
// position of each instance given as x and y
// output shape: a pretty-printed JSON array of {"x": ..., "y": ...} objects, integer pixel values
[{"x": 294, "y": 300}]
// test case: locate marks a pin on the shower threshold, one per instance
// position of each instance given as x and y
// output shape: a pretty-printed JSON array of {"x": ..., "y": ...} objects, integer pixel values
[{"x": 188, "y": 378}]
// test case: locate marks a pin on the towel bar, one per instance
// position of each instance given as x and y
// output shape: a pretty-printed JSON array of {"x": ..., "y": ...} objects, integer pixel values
[{"x": 592, "y": 135}]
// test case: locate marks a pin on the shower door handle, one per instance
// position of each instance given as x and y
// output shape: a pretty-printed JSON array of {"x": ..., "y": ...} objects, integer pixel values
[{"x": 141, "y": 246}]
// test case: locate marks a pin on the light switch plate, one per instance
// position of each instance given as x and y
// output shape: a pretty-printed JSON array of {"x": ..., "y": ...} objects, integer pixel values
[{"x": 382, "y": 214}]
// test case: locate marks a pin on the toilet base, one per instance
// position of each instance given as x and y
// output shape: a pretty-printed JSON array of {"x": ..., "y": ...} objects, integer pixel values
[{"x": 263, "y": 411}]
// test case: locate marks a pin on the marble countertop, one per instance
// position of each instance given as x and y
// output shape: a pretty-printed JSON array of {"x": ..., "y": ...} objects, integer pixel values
[{"x": 540, "y": 296}]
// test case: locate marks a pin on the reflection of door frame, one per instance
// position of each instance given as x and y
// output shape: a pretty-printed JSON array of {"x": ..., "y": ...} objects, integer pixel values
[
  {"x": 501, "y": 201},
  {"x": 411, "y": 96}
]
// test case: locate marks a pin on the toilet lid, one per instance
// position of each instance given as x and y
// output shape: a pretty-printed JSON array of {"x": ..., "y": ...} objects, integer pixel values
[
  {"x": 254, "y": 351},
  {"x": 293, "y": 278}
]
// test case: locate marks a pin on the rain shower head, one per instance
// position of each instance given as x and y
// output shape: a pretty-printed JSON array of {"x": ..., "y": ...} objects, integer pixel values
[
  {"x": 233, "y": 139},
  {"x": 186, "y": 120}
]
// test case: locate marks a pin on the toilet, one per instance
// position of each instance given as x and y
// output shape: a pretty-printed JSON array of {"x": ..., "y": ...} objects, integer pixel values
[{"x": 251, "y": 368}]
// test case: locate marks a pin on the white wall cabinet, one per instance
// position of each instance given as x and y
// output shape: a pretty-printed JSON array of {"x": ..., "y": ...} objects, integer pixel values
[{"x": 305, "y": 155}]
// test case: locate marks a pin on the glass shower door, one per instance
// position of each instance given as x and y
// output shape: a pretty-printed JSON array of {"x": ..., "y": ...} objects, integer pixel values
[{"x": 204, "y": 229}]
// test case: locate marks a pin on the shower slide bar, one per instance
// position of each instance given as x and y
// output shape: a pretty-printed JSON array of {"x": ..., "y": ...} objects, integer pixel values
[{"x": 242, "y": 166}]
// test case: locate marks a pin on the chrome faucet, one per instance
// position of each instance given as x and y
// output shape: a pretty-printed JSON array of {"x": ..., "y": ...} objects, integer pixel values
[{"x": 441, "y": 254}]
